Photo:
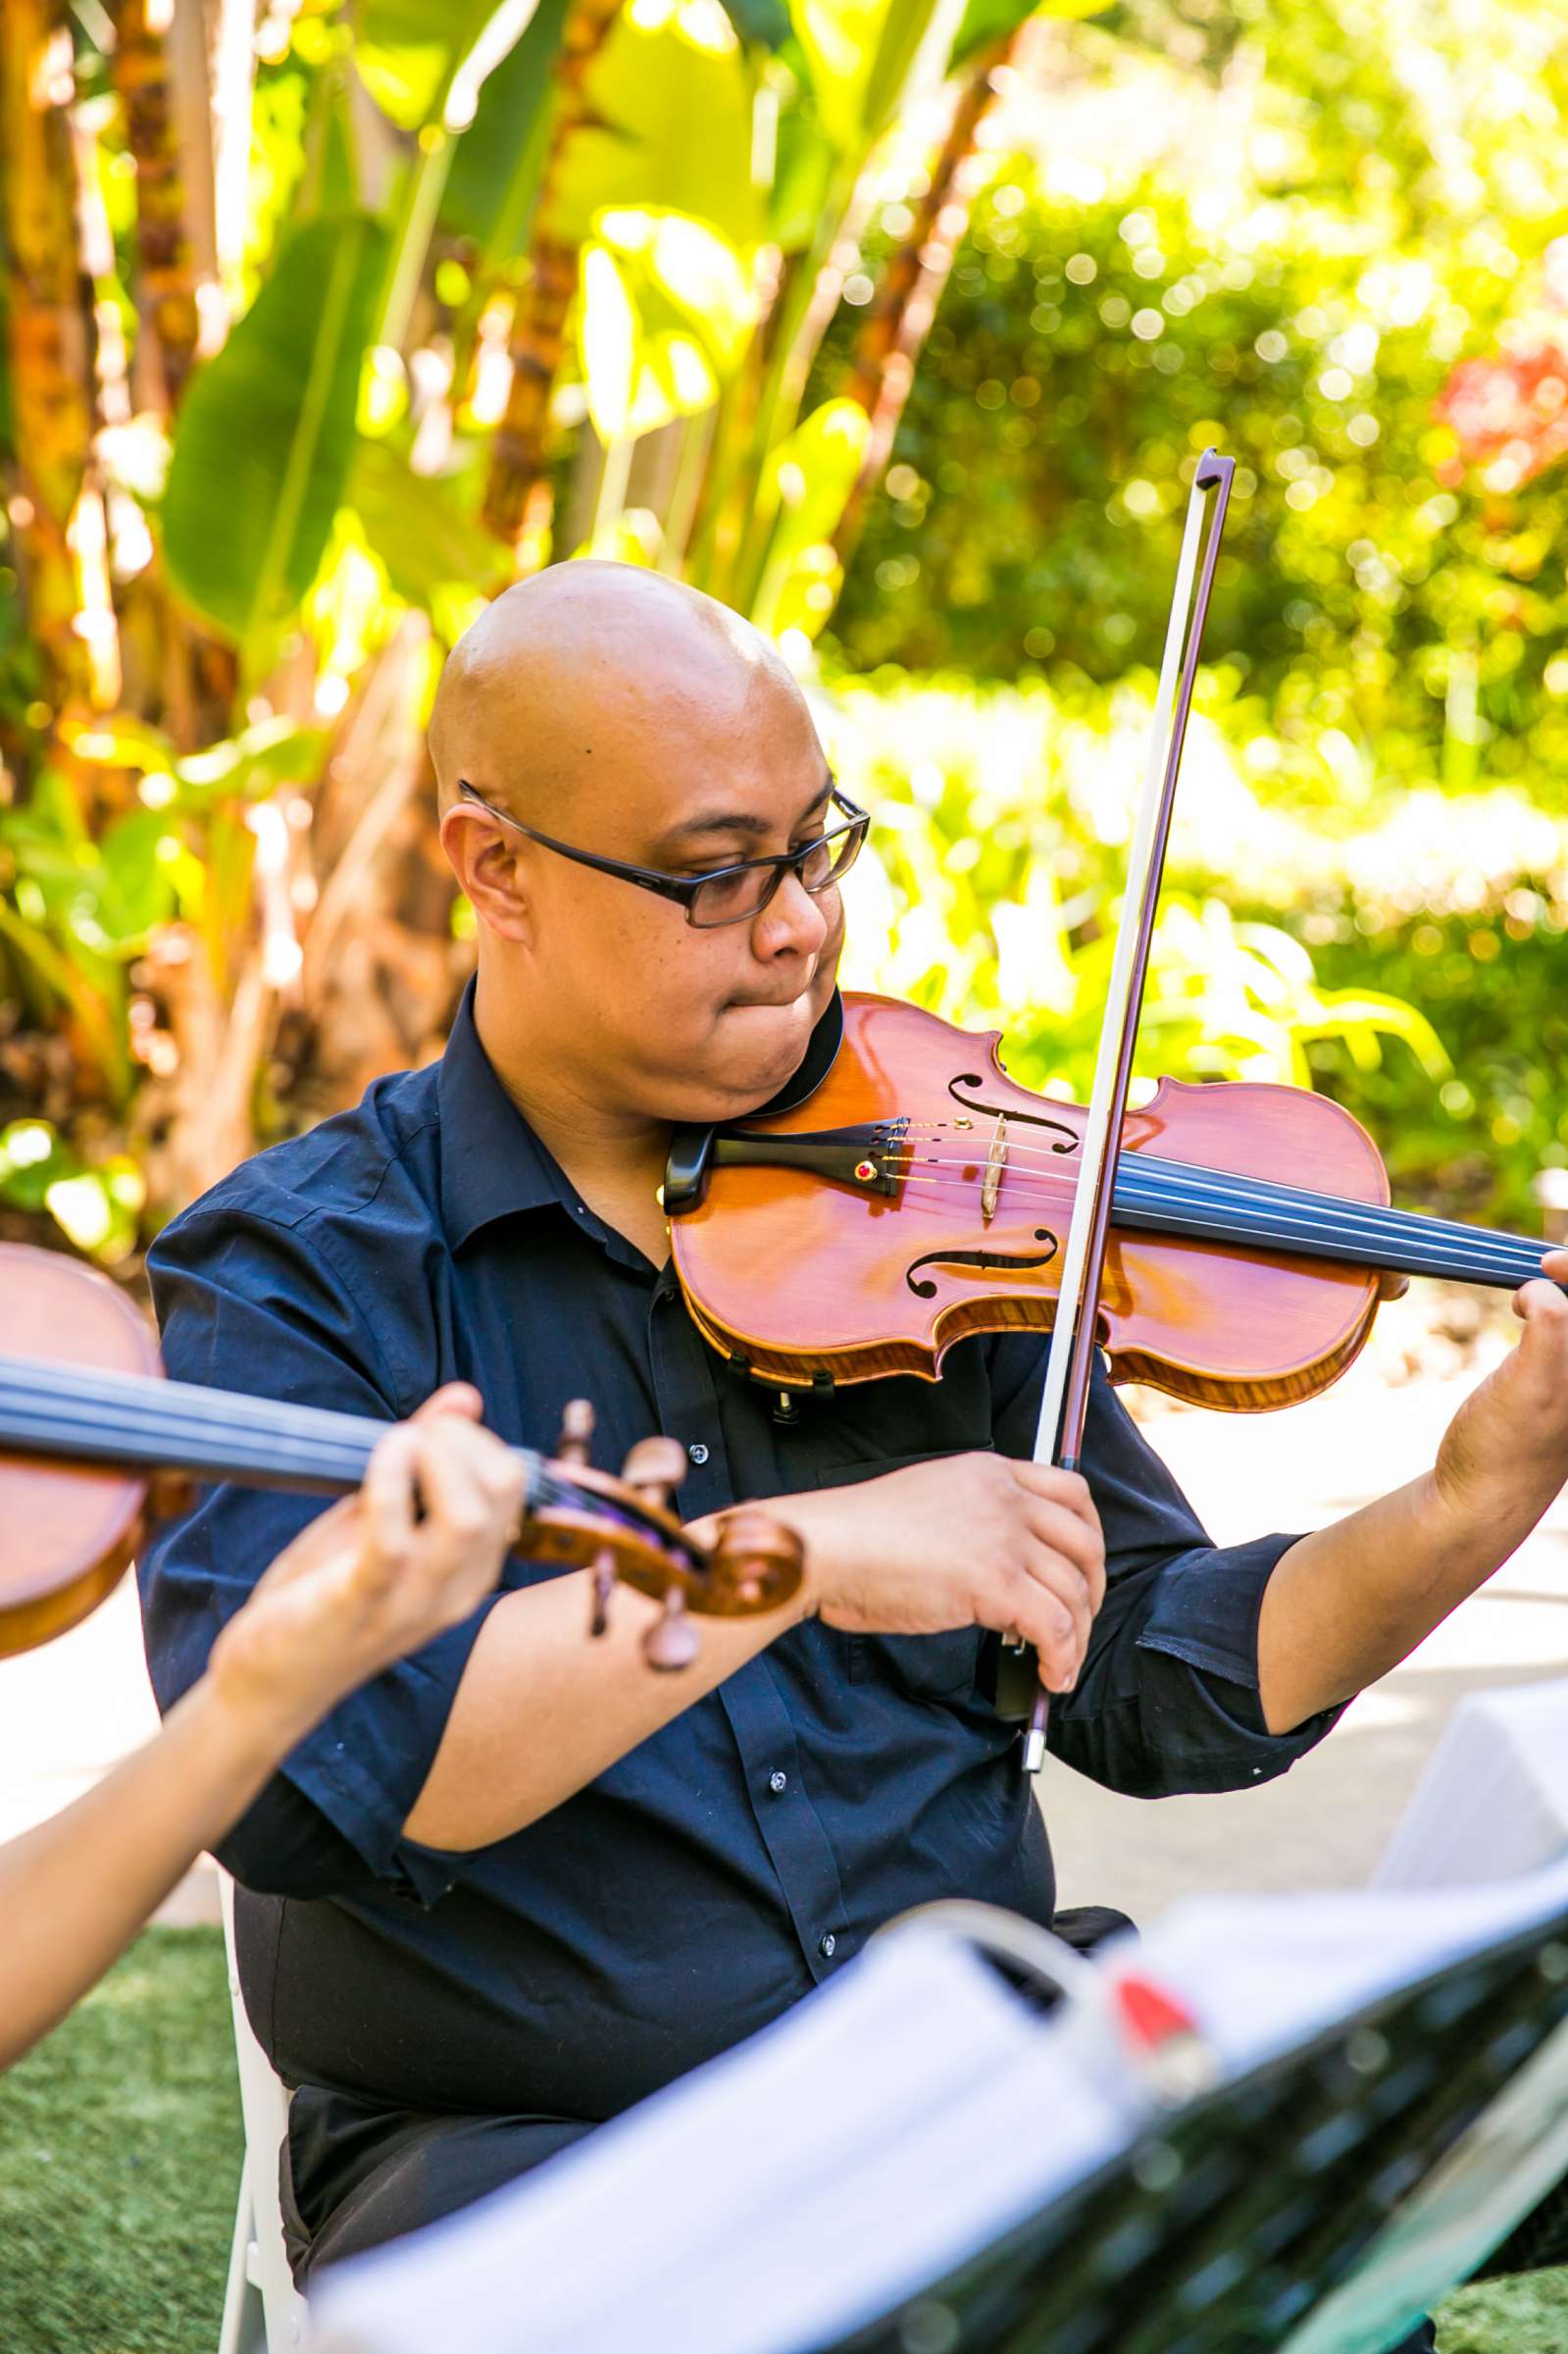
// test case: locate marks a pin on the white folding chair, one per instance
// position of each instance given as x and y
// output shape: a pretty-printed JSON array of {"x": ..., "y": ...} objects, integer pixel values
[{"x": 264, "y": 2312}]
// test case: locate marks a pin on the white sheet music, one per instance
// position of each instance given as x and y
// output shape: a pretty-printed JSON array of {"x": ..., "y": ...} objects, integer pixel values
[{"x": 1493, "y": 1800}]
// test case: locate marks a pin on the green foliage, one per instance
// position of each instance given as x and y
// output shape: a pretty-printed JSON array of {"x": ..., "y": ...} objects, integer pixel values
[
  {"x": 410, "y": 53},
  {"x": 658, "y": 74},
  {"x": 861, "y": 56},
  {"x": 494, "y": 178},
  {"x": 807, "y": 480},
  {"x": 987, "y": 20},
  {"x": 420, "y": 526},
  {"x": 97, "y": 1207},
  {"x": 266, "y": 434},
  {"x": 1306, "y": 317}
]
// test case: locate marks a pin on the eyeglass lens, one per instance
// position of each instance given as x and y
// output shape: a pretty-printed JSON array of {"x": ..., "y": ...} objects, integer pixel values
[{"x": 728, "y": 898}]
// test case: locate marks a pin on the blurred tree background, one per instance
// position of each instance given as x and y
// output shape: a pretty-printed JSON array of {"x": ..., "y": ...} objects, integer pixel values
[{"x": 900, "y": 324}]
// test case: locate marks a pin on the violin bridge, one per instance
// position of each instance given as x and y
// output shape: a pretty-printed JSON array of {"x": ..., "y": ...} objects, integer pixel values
[{"x": 995, "y": 1162}]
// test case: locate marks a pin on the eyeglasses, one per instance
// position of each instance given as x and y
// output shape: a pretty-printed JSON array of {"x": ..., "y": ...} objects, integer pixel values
[{"x": 728, "y": 895}]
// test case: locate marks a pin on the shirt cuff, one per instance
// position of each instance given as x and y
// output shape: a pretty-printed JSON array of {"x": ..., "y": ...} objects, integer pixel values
[{"x": 1204, "y": 1710}]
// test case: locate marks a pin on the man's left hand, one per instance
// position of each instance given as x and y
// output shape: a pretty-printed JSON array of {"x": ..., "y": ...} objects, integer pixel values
[{"x": 1508, "y": 1446}]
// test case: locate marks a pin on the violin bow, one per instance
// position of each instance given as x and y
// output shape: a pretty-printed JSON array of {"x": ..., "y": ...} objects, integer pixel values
[{"x": 1064, "y": 1400}]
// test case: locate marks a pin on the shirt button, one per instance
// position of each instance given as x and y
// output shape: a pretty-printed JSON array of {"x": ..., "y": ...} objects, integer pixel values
[
  {"x": 826, "y": 1946},
  {"x": 777, "y": 1781},
  {"x": 697, "y": 1452}
]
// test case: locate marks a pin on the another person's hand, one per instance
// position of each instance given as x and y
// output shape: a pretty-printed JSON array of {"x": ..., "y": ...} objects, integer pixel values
[
  {"x": 371, "y": 1579},
  {"x": 966, "y": 1539},
  {"x": 1509, "y": 1440}
]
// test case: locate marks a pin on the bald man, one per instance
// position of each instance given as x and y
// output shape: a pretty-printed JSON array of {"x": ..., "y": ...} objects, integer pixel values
[{"x": 522, "y": 1881}]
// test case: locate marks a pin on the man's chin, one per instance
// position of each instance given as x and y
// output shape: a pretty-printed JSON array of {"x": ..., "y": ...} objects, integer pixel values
[{"x": 758, "y": 1046}]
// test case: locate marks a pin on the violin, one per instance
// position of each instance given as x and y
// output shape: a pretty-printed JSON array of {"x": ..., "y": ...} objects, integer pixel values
[
  {"x": 95, "y": 1443},
  {"x": 920, "y": 1195}
]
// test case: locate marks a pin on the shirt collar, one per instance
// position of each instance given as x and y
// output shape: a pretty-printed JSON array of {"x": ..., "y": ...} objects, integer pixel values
[{"x": 492, "y": 1161}]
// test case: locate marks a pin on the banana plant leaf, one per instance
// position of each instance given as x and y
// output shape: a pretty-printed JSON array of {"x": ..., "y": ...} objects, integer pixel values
[
  {"x": 988, "y": 20},
  {"x": 761, "y": 24},
  {"x": 425, "y": 60},
  {"x": 417, "y": 523},
  {"x": 266, "y": 434},
  {"x": 866, "y": 58},
  {"x": 498, "y": 161}
]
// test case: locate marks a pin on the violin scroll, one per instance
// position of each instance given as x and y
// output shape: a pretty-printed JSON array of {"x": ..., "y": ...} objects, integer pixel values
[{"x": 756, "y": 1563}]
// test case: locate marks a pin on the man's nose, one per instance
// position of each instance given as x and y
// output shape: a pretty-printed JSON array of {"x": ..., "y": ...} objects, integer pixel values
[{"x": 792, "y": 921}]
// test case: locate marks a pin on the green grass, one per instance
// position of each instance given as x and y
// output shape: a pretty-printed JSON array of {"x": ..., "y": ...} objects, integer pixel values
[{"x": 120, "y": 2148}]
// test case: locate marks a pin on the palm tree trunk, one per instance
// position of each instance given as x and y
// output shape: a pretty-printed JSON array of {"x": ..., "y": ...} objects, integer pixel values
[
  {"x": 898, "y": 317},
  {"x": 170, "y": 266},
  {"x": 517, "y": 493},
  {"x": 48, "y": 305}
]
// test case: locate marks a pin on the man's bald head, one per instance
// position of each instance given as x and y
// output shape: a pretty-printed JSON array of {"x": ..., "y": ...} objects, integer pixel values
[
  {"x": 643, "y": 724},
  {"x": 587, "y": 667}
]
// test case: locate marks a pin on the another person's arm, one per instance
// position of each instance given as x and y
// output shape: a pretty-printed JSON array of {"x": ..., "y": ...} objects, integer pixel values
[{"x": 364, "y": 1583}]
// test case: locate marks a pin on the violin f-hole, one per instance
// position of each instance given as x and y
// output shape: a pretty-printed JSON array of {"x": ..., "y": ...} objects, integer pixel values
[
  {"x": 1064, "y": 1138},
  {"x": 926, "y": 1290}
]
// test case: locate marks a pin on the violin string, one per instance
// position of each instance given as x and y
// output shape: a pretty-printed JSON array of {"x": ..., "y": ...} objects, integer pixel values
[
  {"x": 1230, "y": 1185},
  {"x": 1502, "y": 1260},
  {"x": 150, "y": 1419},
  {"x": 1394, "y": 1239},
  {"x": 1144, "y": 1176},
  {"x": 1226, "y": 1186}
]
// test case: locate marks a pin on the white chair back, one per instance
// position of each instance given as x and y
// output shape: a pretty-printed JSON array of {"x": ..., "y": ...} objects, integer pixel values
[{"x": 264, "y": 2312}]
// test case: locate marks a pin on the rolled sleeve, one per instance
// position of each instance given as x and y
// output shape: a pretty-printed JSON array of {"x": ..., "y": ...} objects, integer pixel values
[
  {"x": 244, "y": 1303},
  {"x": 1167, "y": 1698}
]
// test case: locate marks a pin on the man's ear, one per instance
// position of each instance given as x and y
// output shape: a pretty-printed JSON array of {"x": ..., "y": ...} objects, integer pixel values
[{"x": 490, "y": 869}]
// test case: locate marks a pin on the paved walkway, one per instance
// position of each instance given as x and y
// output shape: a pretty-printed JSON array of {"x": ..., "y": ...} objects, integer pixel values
[
  {"x": 67, "y": 1711},
  {"x": 1324, "y": 1823}
]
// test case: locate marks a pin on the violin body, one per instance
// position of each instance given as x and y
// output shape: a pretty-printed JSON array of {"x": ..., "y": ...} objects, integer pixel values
[
  {"x": 69, "y": 1534},
  {"x": 806, "y": 1277}
]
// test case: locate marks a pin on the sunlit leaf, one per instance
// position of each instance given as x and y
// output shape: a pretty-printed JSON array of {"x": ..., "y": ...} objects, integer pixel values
[
  {"x": 867, "y": 57},
  {"x": 269, "y": 752},
  {"x": 693, "y": 267},
  {"x": 808, "y": 481},
  {"x": 119, "y": 739},
  {"x": 668, "y": 116},
  {"x": 607, "y": 343}
]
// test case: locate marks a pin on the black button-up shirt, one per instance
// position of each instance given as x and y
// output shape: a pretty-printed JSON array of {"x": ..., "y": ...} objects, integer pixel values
[{"x": 749, "y": 1848}]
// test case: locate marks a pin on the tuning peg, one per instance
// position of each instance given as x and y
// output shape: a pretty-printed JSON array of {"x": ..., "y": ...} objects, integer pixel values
[
  {"x": 577, "y": 1432},
  {"x": 670, "y": 1642},
  {"x": 603, "y": 1574},
  {"x": 655, "y": 1467}
]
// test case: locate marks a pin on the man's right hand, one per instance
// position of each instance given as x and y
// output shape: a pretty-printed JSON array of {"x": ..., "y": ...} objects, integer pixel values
[{"x": 966, "y": 1539}]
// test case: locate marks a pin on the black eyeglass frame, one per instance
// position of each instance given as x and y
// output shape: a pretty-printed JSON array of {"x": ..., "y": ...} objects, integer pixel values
[{"x": 684, "y": 889}]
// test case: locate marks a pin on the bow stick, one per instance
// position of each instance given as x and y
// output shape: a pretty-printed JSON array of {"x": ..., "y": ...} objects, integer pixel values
[{"x": 1064, "y": 1400}]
